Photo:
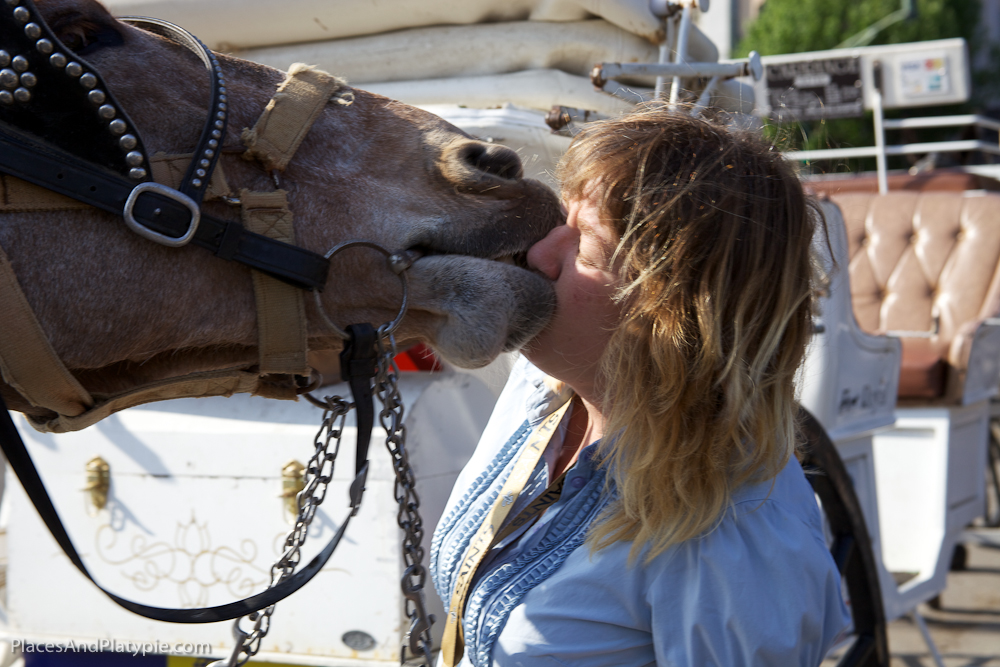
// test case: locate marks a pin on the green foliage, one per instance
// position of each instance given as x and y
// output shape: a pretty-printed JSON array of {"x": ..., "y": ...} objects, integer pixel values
[{"x": 794, "y": 26}]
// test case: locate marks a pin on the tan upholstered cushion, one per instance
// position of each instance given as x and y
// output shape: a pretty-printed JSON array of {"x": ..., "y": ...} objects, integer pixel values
[
  {"x": 938, "y": 180},
  {"x": 915, "y": 257}
]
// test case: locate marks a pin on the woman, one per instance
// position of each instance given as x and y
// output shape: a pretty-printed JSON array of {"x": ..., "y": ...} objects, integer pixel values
[{"x": 635, "y": 498}]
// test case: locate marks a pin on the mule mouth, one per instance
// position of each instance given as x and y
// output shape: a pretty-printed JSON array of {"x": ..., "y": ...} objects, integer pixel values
[
  {"x": 518, "y": 259},
  {"x": 482, "y": 306}
]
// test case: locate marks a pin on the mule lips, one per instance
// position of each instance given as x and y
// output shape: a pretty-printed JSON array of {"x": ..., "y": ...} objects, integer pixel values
[{"x": 30, "y": 365}]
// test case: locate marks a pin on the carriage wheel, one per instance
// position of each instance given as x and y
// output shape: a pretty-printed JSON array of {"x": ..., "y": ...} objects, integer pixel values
[
  {"x": 851, "y": 548},
  {"x": 992, "y": 515}
]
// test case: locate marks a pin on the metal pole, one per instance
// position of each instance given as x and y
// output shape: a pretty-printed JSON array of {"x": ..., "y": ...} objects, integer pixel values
[
  {"x": 706, "y": 97},
  {"x": 664, "y": 56},
  {"x": 880, "y": 155},
  {"x": 919, "y": 621},
  {"x": 666, "y": 51},
  {"x": 681, "y": 54}
]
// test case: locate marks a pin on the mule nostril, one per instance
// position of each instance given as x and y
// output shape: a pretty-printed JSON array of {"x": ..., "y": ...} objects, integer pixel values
[{"x": 493, "y": 159}]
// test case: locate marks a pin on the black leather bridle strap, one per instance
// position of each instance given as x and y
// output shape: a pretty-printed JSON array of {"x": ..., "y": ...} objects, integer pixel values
[
  {"x": 357, "y": 367},
  {"x": 358, "y": 363},
  {"x": 20, "y": 462},
  {"x": 194, "y": 184},
  {"x": 61, "y": 172}
]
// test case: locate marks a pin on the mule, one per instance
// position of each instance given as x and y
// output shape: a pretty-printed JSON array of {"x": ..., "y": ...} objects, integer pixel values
[{"x": 120, "y": 310}]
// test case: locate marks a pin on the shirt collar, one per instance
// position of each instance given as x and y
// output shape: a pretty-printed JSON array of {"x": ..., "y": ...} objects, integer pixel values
[{"x": 548, "y": 395}]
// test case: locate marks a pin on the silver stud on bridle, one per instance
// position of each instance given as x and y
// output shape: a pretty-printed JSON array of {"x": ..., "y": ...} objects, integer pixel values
[{"x": 16, "y": 81}]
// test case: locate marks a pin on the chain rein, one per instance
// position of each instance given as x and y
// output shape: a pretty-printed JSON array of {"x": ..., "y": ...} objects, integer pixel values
[
  {"x": 318, "y": 474},
  {"x": 417, "y": 640}
]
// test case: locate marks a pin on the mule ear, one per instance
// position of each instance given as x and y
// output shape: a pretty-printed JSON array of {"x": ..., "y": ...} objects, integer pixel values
[{"x": 82, "y": 26}]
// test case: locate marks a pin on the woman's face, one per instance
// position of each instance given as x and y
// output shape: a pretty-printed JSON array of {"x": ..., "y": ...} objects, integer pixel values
[{"x": 575, "y": 257}]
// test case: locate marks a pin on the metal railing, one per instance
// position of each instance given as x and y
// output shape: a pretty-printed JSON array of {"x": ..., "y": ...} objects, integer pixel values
[{"x": 880, "y": 151}]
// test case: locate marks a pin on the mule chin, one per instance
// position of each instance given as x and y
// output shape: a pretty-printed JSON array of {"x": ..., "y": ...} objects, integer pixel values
[{"x": 488, "y": 307}]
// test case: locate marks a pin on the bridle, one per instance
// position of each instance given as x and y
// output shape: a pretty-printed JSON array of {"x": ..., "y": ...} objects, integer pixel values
[{"x": 100, "y": 160}]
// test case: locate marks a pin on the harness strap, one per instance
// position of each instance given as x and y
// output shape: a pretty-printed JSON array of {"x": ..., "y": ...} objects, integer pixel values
[
  {"x": 33, "y": 369},
  {"x": 27, "y": 159},
  {"x": 27, "y": 360},
  {"x": 224, "y": 382},
  {"x": 17, "y": 195},
  {"x": 273, "y": 140},
  {"x": 281, "y": 314},
  {"x": 168, "y": 169},
  {"x": 288, "y": 116}
]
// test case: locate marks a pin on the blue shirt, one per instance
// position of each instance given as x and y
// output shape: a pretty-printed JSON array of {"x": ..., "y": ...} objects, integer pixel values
[{"x": 758, "y": 589}]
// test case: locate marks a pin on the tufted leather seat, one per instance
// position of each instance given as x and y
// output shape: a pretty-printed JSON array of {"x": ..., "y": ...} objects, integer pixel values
[{"x": 920, "y": 262}]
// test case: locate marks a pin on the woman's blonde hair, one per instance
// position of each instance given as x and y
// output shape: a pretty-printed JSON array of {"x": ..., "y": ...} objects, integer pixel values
[{"x": 716, "y": 289}]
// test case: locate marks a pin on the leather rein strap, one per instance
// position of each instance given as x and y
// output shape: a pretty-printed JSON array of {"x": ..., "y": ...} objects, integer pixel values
[
  {"x": 358, "y": 359},
  {"x": 157, "y": 210}
]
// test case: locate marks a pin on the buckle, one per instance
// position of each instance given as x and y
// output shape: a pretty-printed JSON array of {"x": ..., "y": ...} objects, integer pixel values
[{"x": 170, "y": 193}]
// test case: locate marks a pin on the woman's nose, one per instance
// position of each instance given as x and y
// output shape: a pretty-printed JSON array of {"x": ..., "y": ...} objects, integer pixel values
[{"x": 546, "y": 255}]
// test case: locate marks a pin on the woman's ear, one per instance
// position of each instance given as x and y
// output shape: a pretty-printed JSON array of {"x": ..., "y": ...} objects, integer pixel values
[{"x": 82, "y": 26}]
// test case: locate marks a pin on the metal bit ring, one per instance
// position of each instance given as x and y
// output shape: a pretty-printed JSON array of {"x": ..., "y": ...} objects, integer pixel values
[{"x": 396, "y": 265}]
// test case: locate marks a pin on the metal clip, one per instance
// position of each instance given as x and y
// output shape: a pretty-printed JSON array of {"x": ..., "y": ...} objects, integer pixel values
[
  {"x": 422, "y": 621},
  {"x": 358, "y": 489}
]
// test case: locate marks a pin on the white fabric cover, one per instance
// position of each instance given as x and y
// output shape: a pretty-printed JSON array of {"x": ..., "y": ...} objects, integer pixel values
[
  {"x": 228, "y": 24},
  {"x": 524, "y": 130},
  {"x": 473, "y": 50}
]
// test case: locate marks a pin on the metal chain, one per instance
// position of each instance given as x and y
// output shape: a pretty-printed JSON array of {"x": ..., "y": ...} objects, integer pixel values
[
  {"x": 318, "y": 474},
  {"x": 417, "y": 641}
]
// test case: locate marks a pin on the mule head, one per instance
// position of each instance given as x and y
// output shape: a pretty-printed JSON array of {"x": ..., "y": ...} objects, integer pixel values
[{"x": 119, "y": 308}]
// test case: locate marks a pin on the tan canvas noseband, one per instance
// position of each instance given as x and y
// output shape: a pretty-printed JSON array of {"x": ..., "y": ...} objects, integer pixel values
[{"x": 30, "y": 365}]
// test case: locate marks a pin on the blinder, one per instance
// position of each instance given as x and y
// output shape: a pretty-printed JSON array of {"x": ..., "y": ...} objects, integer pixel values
[
  {"x": 50, "y": 93},
  {"x": 62, "y": 129}
]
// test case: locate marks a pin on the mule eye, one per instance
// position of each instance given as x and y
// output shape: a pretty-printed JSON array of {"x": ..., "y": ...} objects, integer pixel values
[
  {"x": 73, "y": 40},
  {"x": 82, "y": 36}
]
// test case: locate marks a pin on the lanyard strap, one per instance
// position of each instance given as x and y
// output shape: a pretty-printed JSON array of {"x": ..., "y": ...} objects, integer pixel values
[
  {"x": 452, "y": 643},
  {"x": 532, "y": 511}
]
